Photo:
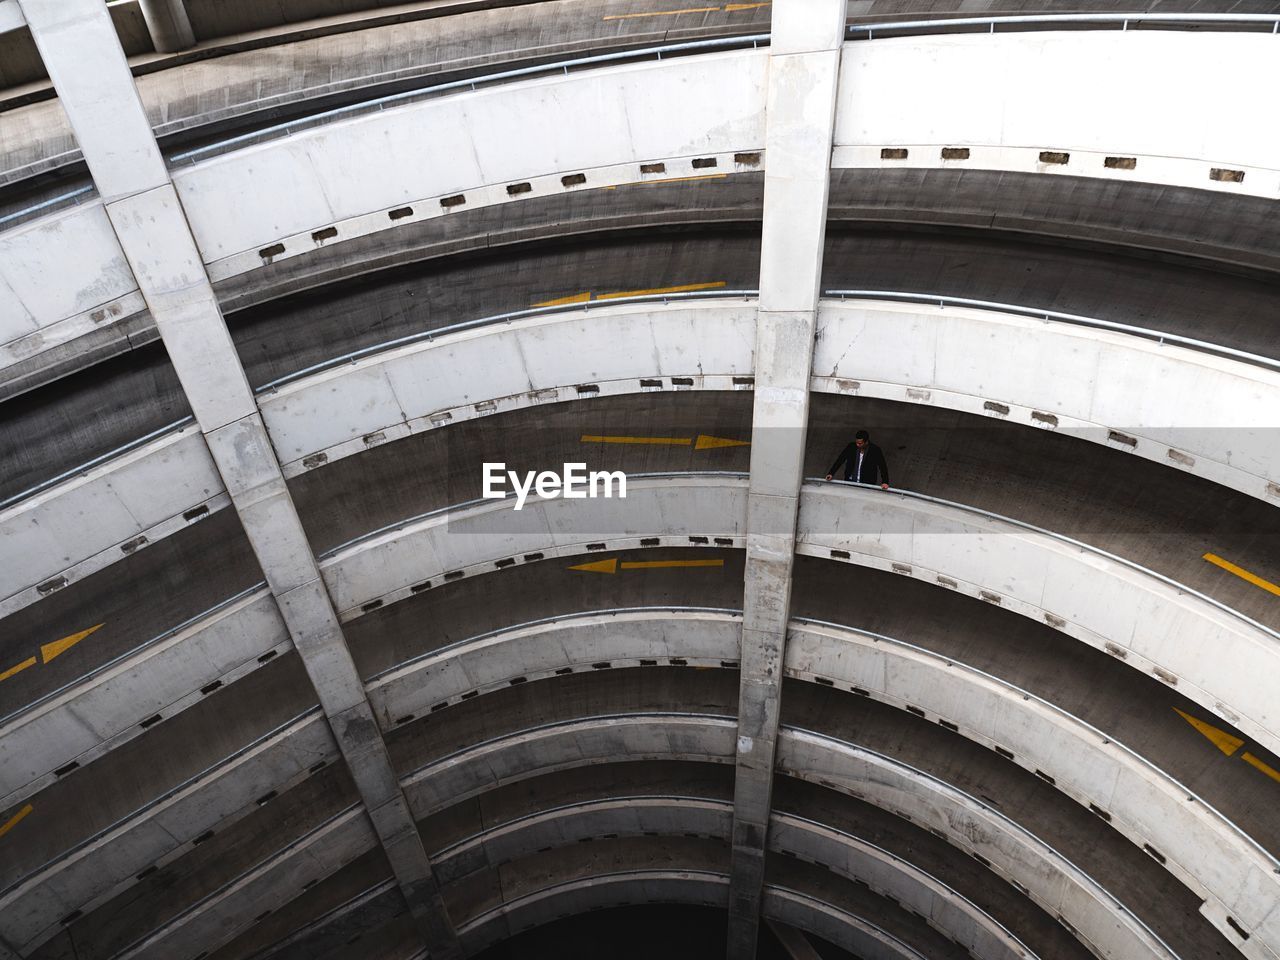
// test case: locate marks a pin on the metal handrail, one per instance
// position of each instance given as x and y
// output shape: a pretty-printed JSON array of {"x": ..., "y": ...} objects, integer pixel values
[
  {"x": 561, "y": 66},
  {"x": 541, "y": 621},
  {"x": 27, "y": 212},
  {"x": 992, "y": 811},
  {"x": 1053, "y": 707},
  {"x": 1062, "y": 538},
  {"x": 1159, "y": 336},
  {"x": 942, "y": 24},
  {"x": 96, "y": 461},
  {"x": 426, "y": 336}
]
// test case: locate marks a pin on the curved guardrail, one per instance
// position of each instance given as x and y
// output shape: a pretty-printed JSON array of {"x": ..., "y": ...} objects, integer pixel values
[
  {"x": 1062, "y": 538},
  {"x": 1117, "y": 905},
  {"x": 1102, "y": 21},
  {"x": 1160, "y": 336},
  {"x": 1028, "y": 695}
]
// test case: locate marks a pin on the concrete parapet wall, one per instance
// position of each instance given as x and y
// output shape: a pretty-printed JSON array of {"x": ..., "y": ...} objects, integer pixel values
[{"x": 1043, "y": 102}]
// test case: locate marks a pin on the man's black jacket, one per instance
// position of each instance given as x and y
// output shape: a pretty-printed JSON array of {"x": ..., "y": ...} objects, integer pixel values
[{"x": 873, "y": 465}]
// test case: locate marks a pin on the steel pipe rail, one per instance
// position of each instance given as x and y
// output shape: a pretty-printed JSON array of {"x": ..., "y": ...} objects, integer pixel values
[{"x": 1103, "y": 20}]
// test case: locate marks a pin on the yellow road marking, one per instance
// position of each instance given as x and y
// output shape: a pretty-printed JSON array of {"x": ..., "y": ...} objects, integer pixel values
[
  {"x": 668, "y": 441},
  {"x": 705, "y": 442},
  {"x": 646, "y": 183},
  {"x": 15, "y": 819},
  {"x": 652, "y": 564},
  {"x": 611, "y": 565},
  {"x": 1220, "y": 738},
  {"x": 659, "y": 13},
  {"x": 59, "y": 647},
  {"x": 29, "y": 662},
  {"x": 561, "y": 301},
  {"x": 1242, "y": 573},
  {"x": 1253, "y": 761},
  {"x": 653, "y": 291},
  {"x": 735, "y": 7}
]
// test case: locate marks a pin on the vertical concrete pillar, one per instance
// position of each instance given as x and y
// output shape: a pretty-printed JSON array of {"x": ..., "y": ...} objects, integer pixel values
[
  {"x": 168, "y": 24},
  {"x": 804, "y": 62},
  {"x": 89, "y": 72}
]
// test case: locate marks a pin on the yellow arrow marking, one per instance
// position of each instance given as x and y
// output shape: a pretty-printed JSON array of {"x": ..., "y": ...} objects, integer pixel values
[
  {"x": 1242, "y": 573},
  {"x": 1220, "y": 738},
  {"x": 611, "y": 565},
  {"x": 681, "y": 288},
  {"x": 651, "y": 564},
  {"x": 561, "y": 301},
  {"x": 670, "y": 441},
  {"x": 29, "y": 662},
  {"x": 711, "y": 443},
  {"x": 600, "y": 566},
  {"x": 59, "y": 647},
  {"x": 1253, "y": 761},
  {"x": 15, "y": 819}
]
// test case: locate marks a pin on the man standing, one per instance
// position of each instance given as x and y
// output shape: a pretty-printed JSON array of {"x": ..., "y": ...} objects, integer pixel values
[{"x": 863, "y": 462}]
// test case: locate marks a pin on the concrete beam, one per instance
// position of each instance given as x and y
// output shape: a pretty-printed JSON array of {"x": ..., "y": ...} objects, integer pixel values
[
  {"x": 168, "y": 24},
  {"x": 88, "y": 69},
  {"x": 804, "y": 67},
  {"x": 794, "y": 942}
]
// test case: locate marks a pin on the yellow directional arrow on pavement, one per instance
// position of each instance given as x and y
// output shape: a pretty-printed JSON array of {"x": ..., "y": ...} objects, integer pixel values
[
  {"x": 15, "y": 819},
  {"x": 701, "y": 442},
  {"x": 1229, "y": 744},
  {"x": 586, "y": 296},
  {"x": 612, "y": 565},
  {"x": 50, "y": 650}
]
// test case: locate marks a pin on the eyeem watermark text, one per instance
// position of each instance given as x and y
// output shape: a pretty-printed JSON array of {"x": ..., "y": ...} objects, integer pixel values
[{"x": 574, "y": 483}]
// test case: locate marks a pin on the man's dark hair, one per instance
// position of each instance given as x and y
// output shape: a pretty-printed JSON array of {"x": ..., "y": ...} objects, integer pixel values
[{"x": 861, "y": 435}]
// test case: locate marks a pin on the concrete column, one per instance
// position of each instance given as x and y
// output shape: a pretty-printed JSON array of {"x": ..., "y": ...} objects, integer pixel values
[
  {"x": 89, "y": 72},
  {"x": 804, "y": 62},
  {"x": 168, "y": 24}
]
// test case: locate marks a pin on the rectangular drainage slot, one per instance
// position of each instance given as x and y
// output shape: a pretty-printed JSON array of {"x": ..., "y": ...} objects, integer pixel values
[
  {"x": 653, "y": 168},
  {"x": 1240, "y": 931},
  {"x": 318, "y": 766},
  {"x": 1166, "y": 676},
  {"x": 916, "y": 710},
  {"x": 408, "y": 718},
  {"x": 515, "y": 189},
  {"x": 1054, "y": 156},
  {"x": 147, "y": 872},
  {"x": 682, "y": 381},
  {"x": 1007, "y": 754},
  {"x": 72, "y": 917},
  {"x": 1048, "y": 418},
  {"x": 420, "y": 587},
  {"x": 678, "y": 662},
  {"x": 651, "y": 383},
  {"x": 516, "y": 681},
  {"x": 310, "y": 883},
  {"x": 266, "y": 253},
  {"x": 269, "y": 655},
  {"x": 457, "y": 200},
  {"x": 573, "y": 179},
  {"x": 840, "y": 554},
  {"x": 949, "y": 725},
  {"x": 210, "y": 687},
  {"x": 266, "y": 798},
  {"x": 648, "y": 663},
  {"x": 370, "y": 606},
  {"x": 1155, "y": 854},
  {"x": 650, "y": 541},
  {"x": 824, "y": 681},
  {"x": 564, "y": 670},
  {"x": 369, "y": 439},
  {"x": 981, "y": 859},
  {"x": 1098, "y": 811},
  {"x": 730, "y": 664},
  {"x": 469, "y": 695},
  {"x": 507, "y": 562},
  {"x": 315, "y": 460},
  {"x": 602, "y": 665},
  {"x": 744, "y": 382},
  {"x": 1226, "y": 176},
  {"x": 747, "y": 159},
  {"x": 955, "y": 153},
  {"x": 1181, "y": 458},
  {"x": 700, "y": 540},
  {"x": 530, "y": 557},
  {"x": 195, "y": 514},
  {"x": 587, "y": 388},
  {"x": 1124, "y": 438},
  {"x": 399, "y": 213},
  {"x": 1120, "y": 163},
  {"x": 1000, "y": 408},
  {"x": 893, "y": 153},
  {"x": 151, "y": 721},
  {"x": 703, "y": 163},
  {"x": 454, "y": 575},
  {"x": 203, "y": 838},
  {"x": 860, "y": 692},
  {"x": 328, "y": 233},
  {"x": 1046, "y": 778},
  {"x": 947, "y": 582},
  {"x": 990, "y": 597},
  {"x": 1056, "y": 622},
  {"x": 723, "y": 541},
  {"x": 262, "y": 916},
  {"x": 46, "y": 588},
  {"x": 901, "y": 568}
]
